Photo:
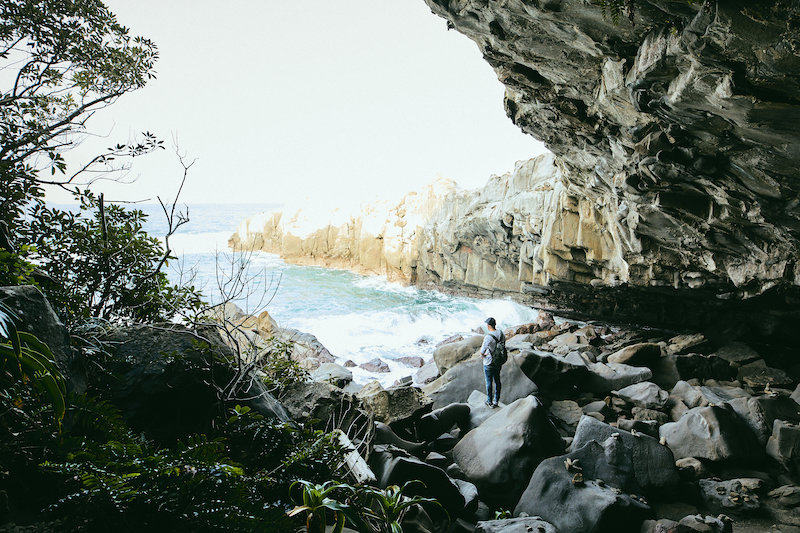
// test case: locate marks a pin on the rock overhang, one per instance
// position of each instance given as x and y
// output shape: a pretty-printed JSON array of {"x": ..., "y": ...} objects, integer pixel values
[{"x": 676, "y": 136}]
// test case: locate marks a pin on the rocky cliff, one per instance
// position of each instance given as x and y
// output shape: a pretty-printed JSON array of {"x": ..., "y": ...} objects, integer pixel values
[
  {"x": 677, "y": 136},
  {"x": 672, "y": 198}
]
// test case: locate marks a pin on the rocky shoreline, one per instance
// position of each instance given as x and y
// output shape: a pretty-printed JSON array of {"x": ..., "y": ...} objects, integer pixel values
[{"x": 600, "y": 428}]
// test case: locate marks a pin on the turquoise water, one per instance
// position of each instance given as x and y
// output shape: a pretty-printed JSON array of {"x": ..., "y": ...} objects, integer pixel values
[{"x": 356, "y": 317}]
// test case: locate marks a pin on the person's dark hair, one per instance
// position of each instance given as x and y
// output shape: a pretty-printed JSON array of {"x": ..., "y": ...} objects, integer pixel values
[{"x": 491, "y": 321}]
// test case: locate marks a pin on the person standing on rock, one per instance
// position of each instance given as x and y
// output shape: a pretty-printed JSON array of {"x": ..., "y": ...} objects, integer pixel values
[{"x": 490, "y": 370}]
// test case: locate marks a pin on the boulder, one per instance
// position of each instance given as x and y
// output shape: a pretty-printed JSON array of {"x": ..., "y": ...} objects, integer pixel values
[
  {"x": 385, "y": 435},
  {"x": 162, "y": 381},
  {"x": 642, "y": 354},
  {"x": 643, "y": 414},
  {"x": 442, "y": 420},
  {"x": 757, "y": 375},
  {"x": 714, "y": 433},
  {"x": 784, "y": 444},
  {"x": 427, "y": 373},
  {"x": 653, "y": 465},
  {"x": 323, "y": 401},
  {"x": 701, "y": 366},
  {"x": 448, "y": 355},
  {"x": 500, "y": 455},
  {"x": 728, "y": 497},
  {"x": 470, "y": 494},
  {"x": 375, "y": 365},
  {"x": 614, "y": 376},
  {"x": 392, "y": 468},
  {"x": 760, "y": 412},
  {"x": 527, "y": 524},
  {"x": 567, "y": 414},
  {"x": 682, "y": 343},
  {"x": 648, "y": 427},
  {"x": 457, "y": 384},
  {"x": 33, "y": 314},
  {"x": 574, "y": 503},
  {"x": 395, "y": 404},
  {"x": 690, "y": 524},
  {"x": 411, "y": 360},
  {"x": 796, "y": 395},
  {"x": 737, "y": 353},
  {"x": 645, "y": 394},
  {"x": 554, "y": 375},
  {"x": 479, "y": 412},
  {"x": 333, "y": 374}
]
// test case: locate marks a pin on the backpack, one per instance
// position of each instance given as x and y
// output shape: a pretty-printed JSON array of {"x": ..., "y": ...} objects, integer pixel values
[{"x": 499, "y": 354}]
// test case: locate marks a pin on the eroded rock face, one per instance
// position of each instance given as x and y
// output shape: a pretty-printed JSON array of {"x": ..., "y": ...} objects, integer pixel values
[
  {"x": 676, "y": 137},
  {"x": 673, "y": 189}
]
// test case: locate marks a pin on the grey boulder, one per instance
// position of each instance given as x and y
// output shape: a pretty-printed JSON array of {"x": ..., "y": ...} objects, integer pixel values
[
  {"x": 653, "y": 464},
  {"x": 500, "y": 455},
  {"x": 715, "y": 433}
]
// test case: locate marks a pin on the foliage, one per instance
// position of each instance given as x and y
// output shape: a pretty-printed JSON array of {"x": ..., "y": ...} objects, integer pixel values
[
  {"x": 316, "y": 503},
  {"x": 228, "y": 480},
  {"x": 386, "y": 508},
  {"x": 279, "y": 369},
  {"x": 66, "y": 59},
  {"x": 101, "y": 263},
  {"x": 24, "y": 359},
  {"x": 502, "y": 514}
]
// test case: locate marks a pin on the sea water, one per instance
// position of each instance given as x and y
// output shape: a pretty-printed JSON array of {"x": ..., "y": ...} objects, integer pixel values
[{"x": 358, "y": 318}]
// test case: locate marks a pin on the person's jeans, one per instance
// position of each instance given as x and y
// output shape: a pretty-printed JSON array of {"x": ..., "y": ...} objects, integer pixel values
[{"x": 492, "y": 375}]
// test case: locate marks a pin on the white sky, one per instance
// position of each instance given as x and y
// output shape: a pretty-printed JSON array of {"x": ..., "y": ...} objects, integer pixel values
[{"x": 280, "y": 99}]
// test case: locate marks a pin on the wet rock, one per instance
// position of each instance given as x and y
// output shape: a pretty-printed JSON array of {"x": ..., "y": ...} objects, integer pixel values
[
  {"x": 645, "y": 394},
  {"x": 653, "y": 465},
  {"x": 519, "y": 436},
  {"x": 642, "y": 354},
  {"x": 35, "y": 315},
  {"x": 375, "y": 365},
  {"x": 448, "y": 355},
  {"x": 729, "y": 497},
  {"x": 525, "y": 524},
  {"x": 349, "y": 364},
  {"x": 796, "y": 395},
  {"x": 333, "y": 374},
  {"x": 713, "y": 433}
]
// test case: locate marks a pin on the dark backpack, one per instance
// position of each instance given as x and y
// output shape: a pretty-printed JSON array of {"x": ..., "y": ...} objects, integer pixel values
[{"x": 499, "y": 354}]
